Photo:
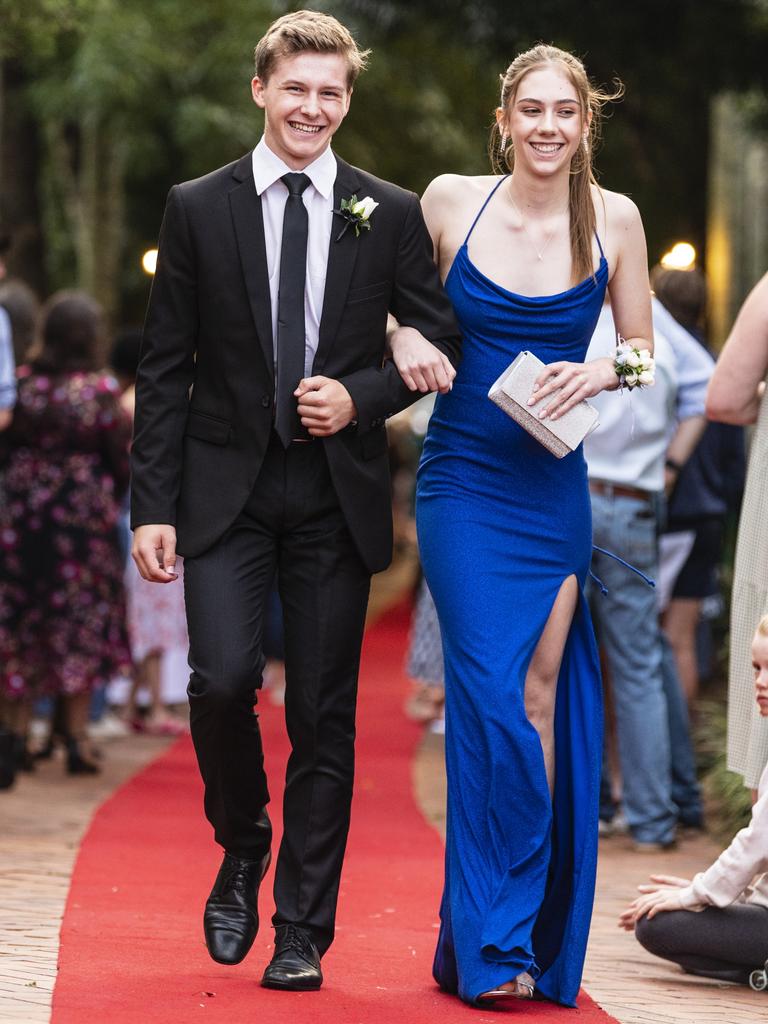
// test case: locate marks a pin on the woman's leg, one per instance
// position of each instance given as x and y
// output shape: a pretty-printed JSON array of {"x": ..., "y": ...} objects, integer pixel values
[
  {"x": 541, "y": 680},
  {"x": 152, "y": 680},
  {"x": 540, "y": 696},
  {"x": 724, "y": 943},
  {"x": 679, "y": 622},
  {"x": 81, "y": 754},
  {"x": 159, "y": 721}
]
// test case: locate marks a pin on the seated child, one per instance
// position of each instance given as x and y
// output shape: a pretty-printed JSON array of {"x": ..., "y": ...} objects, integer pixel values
[{"x": 717, "y": 924}]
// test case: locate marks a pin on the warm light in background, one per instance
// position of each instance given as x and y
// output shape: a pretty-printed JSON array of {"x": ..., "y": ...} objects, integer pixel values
[
  {"x": 682, "y": 256},
  {"x": 149, "y": 261}
]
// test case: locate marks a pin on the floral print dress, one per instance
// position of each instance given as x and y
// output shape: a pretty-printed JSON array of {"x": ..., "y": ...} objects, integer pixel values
[{"x": 63, "y": 471}]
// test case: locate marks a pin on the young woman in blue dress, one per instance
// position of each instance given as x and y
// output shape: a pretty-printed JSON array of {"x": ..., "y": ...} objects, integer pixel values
[{"x": 505, "y": 531}]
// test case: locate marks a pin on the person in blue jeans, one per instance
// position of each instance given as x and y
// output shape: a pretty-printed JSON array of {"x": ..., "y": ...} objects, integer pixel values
[{"x": 633, "y": 457}]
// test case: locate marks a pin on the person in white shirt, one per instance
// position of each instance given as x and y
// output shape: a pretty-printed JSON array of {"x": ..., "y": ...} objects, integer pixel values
[
  {"x": 716, "y": 925},
  {"x": 631, "y": 457}
]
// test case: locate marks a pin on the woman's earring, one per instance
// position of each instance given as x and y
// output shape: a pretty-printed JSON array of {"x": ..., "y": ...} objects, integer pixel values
[
  {"x": 585, "y": 141},
  {"x": 504, "y": 140}
]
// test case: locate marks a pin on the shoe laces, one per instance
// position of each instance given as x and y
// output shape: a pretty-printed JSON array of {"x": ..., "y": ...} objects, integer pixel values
[
  {"x": 294, "y": 938},
  {"x": 237, "y": 877}
]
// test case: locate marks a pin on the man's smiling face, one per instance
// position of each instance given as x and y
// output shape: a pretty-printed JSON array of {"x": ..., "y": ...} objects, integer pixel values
[{"x": 305, "y": 99}]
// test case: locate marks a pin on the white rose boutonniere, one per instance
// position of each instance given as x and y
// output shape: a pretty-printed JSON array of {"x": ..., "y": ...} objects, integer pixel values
[
  {"x": 635, "y": 367},
  {"x": 356, "y": 213}
]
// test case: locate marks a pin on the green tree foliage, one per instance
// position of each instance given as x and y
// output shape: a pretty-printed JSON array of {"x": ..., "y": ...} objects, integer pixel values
[
  {"x": 32, "y": 27},
  {"x": 126, "y": 96},
  {"x": 132, "y": 97},
  {"x": 421, "y": 109},
  {"x": 672, "y": 57}
]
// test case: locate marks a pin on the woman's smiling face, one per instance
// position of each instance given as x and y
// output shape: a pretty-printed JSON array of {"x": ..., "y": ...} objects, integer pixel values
[{"x": 544, "y": 121}]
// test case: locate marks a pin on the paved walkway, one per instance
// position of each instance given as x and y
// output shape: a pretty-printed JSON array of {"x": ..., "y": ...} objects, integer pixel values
[
  {"x": 45, "y": 816},
  {"x": 43, "y": 820},
  {"x": 620, "y": 975}
]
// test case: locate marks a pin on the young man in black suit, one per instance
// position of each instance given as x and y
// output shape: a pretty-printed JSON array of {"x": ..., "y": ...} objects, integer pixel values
[{"x": 260, "y": 445}]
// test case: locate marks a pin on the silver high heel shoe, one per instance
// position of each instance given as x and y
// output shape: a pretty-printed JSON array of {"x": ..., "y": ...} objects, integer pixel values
[{"x": 522, "y": 990}]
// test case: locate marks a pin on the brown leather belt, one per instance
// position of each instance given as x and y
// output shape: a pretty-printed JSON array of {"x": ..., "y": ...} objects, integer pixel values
[{"x": 609, "y": 490}]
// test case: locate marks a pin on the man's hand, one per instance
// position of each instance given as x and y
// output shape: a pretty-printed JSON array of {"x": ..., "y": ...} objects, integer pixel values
[
  {"x": 422, "y": 366},
  {"x": 154, "y": 552},
  {"x": 325, "y": 406}
]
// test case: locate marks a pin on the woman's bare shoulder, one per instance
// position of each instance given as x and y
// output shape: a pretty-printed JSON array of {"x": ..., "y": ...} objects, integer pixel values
[
  {"x": 457, "y": 188},
  {"x": 616, "y": 209}
]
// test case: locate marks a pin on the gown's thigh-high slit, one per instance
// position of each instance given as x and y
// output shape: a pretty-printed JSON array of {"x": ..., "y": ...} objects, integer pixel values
[
  {"x": 544, "y": 669},
  {"x": 502, "y": 525},
  {"x": 511, "y": 902}
]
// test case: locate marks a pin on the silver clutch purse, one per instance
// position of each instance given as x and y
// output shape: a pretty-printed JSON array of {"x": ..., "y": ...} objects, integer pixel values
[{"x": 511, "y": 393}]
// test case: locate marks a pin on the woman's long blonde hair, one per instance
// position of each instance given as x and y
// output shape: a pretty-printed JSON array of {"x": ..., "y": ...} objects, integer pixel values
[{"x": 591, "y": 98}]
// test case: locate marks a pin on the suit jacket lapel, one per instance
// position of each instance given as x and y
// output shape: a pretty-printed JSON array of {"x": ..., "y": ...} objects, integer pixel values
[
  {"x": 341, "y": 263},
  {"x": 245, "y": 205}
]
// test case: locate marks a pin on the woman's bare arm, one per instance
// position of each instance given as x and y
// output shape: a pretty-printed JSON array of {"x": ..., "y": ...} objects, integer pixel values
[
  {"x": 629, "y": 287},
  {"x": 735, "y": 389}
]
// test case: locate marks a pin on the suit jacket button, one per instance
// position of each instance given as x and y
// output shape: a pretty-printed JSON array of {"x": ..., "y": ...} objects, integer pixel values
[{"x": 266, "y": 401}]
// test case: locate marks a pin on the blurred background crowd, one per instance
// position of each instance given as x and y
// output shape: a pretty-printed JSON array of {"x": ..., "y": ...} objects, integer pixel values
[{"x": 104, "y": 105}]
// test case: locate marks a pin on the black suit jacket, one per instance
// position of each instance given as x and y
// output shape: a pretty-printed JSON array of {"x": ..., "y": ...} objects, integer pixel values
[{"x": 205, "y": 386}]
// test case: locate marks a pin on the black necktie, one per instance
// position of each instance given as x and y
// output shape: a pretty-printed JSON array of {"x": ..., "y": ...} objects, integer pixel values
[{"x": 291, "y": 339}]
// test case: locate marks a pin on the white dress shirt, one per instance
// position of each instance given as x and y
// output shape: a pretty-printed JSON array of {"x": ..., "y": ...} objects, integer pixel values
[
  {"x": 629, "y": 445},
  {"x": 268, "y": 169},
  {"x": 738, "y": 874}
]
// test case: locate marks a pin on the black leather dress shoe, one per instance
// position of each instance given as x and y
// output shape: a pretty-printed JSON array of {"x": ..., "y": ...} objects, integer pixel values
[
  {"x": 296, "y": 962},
  {"x": 231, "y": 918}
]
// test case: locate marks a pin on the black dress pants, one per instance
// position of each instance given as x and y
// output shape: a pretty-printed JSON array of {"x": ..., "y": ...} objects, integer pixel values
[
  {"x": 291, "y": 523},
  {"x": 726, "y": 943}
]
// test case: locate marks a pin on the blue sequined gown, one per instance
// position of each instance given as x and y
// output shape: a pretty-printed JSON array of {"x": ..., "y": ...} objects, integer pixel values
[{"x": 502, "y": 523}]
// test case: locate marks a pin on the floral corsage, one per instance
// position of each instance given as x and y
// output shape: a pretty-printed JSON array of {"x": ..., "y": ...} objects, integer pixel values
[
  {"x": 635, "y": 367},
  {"x": 357, "y": 214}
]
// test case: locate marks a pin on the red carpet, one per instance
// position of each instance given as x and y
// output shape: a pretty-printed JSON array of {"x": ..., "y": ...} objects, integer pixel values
[{"x": 131, "y": 941}]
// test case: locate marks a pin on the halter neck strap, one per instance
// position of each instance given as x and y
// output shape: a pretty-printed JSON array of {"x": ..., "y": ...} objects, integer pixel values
[{"x": 491, "y": 194}]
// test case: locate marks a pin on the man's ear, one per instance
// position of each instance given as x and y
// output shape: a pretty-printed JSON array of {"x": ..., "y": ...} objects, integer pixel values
[{"x": 257, "y": 91}]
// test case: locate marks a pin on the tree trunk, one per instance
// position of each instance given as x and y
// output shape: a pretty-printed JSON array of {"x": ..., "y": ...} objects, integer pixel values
[
  {"x": 737, "y": 229},
  {"x": 19, "y": 161},
  {"x": 85, "y": 183}
]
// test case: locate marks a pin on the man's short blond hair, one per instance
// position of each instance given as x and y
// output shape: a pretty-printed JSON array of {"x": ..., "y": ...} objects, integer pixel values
[
  {"x": 762, "y": 626},
  {"x": 308, "y": 30}
]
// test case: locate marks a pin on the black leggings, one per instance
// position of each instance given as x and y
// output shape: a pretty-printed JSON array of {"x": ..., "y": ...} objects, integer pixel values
[{"x": 724, "y": 943}]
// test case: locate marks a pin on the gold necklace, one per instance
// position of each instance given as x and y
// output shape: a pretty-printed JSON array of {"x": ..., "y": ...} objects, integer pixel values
[{"x": 549, "y": 237}]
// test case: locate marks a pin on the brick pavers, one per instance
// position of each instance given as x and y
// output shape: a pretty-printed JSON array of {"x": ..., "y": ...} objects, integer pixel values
[
  {"x": 45, "y": 816},
  {"x": 630, "y": 984},
  {"x": 43, "y": 819}
]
